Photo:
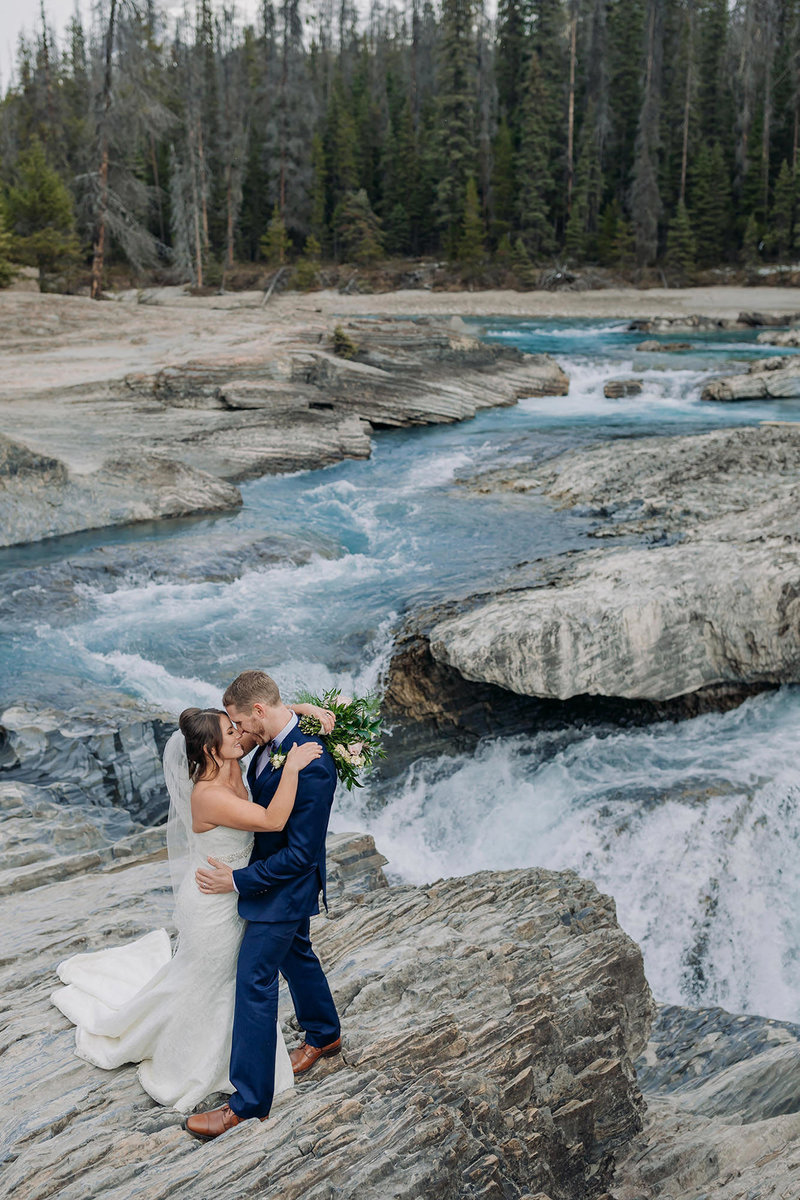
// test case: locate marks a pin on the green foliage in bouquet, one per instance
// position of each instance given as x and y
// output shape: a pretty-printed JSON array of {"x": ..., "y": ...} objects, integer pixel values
[{"x": 355, "y": 742}]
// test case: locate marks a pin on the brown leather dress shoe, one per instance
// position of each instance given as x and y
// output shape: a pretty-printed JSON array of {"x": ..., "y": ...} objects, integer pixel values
[
  {"x": 208, "y": 1125},
  {"x": 304, "y": 1057}
]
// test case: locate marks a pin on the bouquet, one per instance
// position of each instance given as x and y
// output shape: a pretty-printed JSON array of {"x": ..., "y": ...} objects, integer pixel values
[{"x": 355, "y": 742}]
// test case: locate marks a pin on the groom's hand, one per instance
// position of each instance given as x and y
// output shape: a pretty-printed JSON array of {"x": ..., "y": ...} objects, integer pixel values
[{"x": 216, "y": 879}]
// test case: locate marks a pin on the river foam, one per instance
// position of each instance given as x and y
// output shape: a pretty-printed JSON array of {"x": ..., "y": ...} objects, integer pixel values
[{"x": 693, "y": 827}]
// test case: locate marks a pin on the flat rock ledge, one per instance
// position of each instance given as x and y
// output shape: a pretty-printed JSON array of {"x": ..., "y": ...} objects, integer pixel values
[
  {"x": 192, "y": 430},
  {"x": 490, "y": 1025},
  {"x": 708, "y": 607}
]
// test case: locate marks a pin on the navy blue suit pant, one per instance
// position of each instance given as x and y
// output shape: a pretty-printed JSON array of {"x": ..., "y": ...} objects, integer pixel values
[{"x": 267, "y": 948}]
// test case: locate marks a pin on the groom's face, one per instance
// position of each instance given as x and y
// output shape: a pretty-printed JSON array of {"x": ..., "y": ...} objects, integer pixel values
[{"x": 252, "y": 722}]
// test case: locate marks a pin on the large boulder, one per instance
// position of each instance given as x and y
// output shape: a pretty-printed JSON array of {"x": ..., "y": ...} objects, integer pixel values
[
  {"x": 648, "y": 624},
  {"x": 709, "y": 607}
]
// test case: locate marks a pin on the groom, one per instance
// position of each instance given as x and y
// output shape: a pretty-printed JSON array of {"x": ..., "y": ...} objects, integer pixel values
[{"x": 278, "y": 893}]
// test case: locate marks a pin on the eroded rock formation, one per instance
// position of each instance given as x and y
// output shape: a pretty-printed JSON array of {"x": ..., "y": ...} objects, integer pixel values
[
  {"x": 193, "y": 428},
  {"x": 708, "y": 608}
]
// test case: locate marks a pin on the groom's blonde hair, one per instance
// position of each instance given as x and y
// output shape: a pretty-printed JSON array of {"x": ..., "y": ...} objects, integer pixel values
[{"x": 252, "y": 687}]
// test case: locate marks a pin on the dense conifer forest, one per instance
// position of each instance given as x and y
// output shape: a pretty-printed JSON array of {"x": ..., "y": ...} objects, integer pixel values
[{"x": 631, "y": 134}]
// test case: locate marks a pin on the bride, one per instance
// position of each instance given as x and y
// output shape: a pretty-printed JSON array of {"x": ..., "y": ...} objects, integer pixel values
[{"x": 173, "y": 1014}]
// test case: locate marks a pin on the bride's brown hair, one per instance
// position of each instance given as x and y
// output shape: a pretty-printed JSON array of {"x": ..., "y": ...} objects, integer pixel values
[{"x": 202, "y": 732}]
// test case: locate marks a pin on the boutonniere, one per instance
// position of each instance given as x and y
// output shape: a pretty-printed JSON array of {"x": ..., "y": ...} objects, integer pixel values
[{"x": 277, "y": 760}]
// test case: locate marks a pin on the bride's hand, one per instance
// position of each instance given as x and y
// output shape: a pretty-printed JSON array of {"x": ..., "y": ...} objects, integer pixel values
[
  {"x": 301, "y": 755},
  {"x": 325, "y": 717}
]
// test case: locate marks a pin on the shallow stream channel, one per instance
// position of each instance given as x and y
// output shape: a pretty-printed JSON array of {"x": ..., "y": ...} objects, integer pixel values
[{"x": 693, "y": 827}]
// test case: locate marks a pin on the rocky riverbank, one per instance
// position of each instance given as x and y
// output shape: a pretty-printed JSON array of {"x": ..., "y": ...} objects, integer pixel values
[
  {"x": 703, "y": 613},
  {"x": 489, "y": 1024},
  {"x": 107, "y": 420}
]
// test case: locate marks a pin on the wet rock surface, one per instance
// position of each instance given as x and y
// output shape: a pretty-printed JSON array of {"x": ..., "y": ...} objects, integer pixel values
[
  {"x": 489, "y": 1028},
  {"x": 708, "y": 608},
  {"x": 615, "y": 389},
  {"x": 777, "y": 379},
  {"x": 723, "y": 1115}
]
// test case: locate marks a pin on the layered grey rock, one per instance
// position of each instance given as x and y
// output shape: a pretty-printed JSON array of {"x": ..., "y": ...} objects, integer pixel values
[
  {"x": 40, "y": 497},
  {"x": 764, "y": 381},
  {"x": 653, "y": 347},
  {"x": 105, "y": 751},
  {"x": 614, "y": 389},
  {"x": 723, "y": 1110},
  {"x": 717, "y": 613},
  {"x": 489, "y": 1029},
  {"x": 704, "y": 323},
  {"x": 195, "y": 426},
  {"x": 640, "y": 624}
]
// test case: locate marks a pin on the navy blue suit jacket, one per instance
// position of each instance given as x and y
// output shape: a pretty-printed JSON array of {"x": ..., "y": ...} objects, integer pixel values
[{"x": 287, "y": 869}]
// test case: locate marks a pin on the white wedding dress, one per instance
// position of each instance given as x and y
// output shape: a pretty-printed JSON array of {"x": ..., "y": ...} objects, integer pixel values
[{"x": 171, "y": 1013}]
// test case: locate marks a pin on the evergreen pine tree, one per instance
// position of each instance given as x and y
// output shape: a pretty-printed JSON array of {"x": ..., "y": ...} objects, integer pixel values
[
  {"x": 533, "y": 165},
  {"x": 276, "y": 243},
  {"x": 522, "y": 266},
  {"x": 583, "y": 218},
  {"x": 751, "y": 244},
  {"x": 306, "y": 271},
  {"x": 681, "y": 243},
  {"x": 455, "y": 116},
  {"x": 397, "y": 228},
  {"x": 710, "y": 207},
  {"x": 607, "y": 232},
  {"x": 471, "y": 249},
  {"x": 512, "y": 49},
  {"x": 624, "y": 248},
  {"x": 503, "y": 183},
  {"x": 358, "y": 229},
  {"x": 318, "y": 190},
  {"x": 400, "y": 170},
  {"x": 7, "y": 269},
  {"x": 504, "y": 254},
  {"x": 782, "y": 213},
  {"x": 41, "y": 216}
]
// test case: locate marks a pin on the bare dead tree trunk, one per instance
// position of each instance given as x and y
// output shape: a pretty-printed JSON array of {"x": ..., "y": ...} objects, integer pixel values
[
  {"x": 48, "y": 79},
  {"x": 201, "y": 164},
  {"x": 229, "y": 221},
  {"x": 98, "y": 257},
  {"x": 573, "y": 41},
  {"x": 198, "y": 245}
]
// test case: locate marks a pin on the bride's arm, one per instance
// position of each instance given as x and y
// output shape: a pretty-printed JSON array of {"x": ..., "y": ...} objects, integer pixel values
[
  {"x": 221, "y": 806},
  {"x": 324, "y": 715}
]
